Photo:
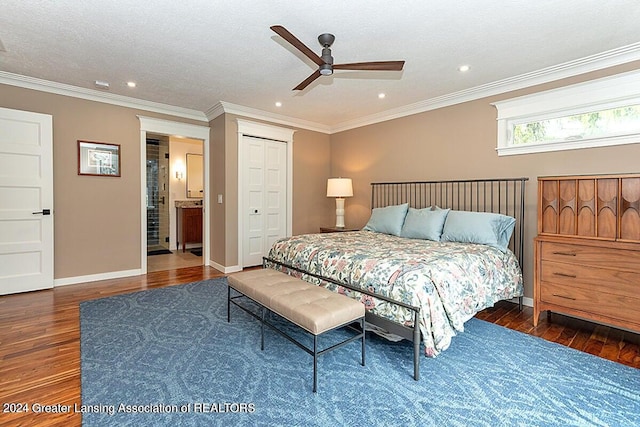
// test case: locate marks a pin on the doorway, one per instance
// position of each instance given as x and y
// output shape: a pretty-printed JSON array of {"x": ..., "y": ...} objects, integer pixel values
[
  {"x": 168, "y": 168},
  {"x": 175, "y": 191}
]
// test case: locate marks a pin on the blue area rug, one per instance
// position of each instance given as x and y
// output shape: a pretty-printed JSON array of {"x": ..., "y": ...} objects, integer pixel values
[{"x": 169, "y": 357}]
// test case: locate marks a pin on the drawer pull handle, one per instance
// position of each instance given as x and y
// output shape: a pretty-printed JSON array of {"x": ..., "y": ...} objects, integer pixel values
[
  {"x": 573, "y": 276},
  {"x": 563, "y": 296},
  {"x": 565, "y": 253}
]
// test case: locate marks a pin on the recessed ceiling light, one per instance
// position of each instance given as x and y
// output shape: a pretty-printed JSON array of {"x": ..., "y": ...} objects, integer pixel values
[
  {"x": 131, "y": 84},
  {"x": 381, "y": 95},
  {"x": 464, "y": 68},
  {"x": 278, "y": 104}
]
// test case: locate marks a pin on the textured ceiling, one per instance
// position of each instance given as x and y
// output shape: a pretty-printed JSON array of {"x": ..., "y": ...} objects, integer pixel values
[{"x": 195, "y": 53}]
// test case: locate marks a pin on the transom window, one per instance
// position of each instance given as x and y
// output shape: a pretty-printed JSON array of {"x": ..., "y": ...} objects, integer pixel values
[{"x": 592, "y": 114}]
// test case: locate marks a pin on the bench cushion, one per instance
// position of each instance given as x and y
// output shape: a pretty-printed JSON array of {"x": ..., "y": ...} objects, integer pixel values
[{"x": 311, "y": 307}]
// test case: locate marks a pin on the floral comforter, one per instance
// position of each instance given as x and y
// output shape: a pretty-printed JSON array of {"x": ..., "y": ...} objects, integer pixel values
[{"x": 450, "y": 282}]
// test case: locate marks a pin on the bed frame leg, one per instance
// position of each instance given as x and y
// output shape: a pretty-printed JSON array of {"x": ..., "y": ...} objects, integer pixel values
[
  {"x": 416, "y": 347},
  {"x": 520, "y": 299}
]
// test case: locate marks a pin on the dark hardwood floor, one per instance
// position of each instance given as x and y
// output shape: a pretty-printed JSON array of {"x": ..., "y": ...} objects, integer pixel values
[{"x": 40, "y": 340}]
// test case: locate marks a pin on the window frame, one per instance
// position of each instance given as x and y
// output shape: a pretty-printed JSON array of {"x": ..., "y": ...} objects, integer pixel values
[{"x": 594, "y": 95}]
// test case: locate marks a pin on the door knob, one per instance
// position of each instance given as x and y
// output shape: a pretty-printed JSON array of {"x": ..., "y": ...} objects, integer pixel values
[{"x": 43, "y": 212}]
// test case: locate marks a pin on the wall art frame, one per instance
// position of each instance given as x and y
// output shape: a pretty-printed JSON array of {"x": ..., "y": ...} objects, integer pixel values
[{"x": 98, "y": 158}]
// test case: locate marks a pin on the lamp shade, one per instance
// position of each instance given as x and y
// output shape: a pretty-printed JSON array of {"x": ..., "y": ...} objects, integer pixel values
[{"x": 339, "y": 187}]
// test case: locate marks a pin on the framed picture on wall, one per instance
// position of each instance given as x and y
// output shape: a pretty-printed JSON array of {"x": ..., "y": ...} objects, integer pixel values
[{"x": 98, "y": 158}]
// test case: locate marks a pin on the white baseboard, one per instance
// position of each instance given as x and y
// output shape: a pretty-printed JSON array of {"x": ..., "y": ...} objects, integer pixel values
[
  {"x": 225, "y": 270},
  {"x": 525, "y": 301},
  {"x": 95, "y": 277}
]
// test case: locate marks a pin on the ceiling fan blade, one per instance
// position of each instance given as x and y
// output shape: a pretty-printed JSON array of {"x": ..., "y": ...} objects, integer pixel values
[
  {"x": 285, "y": 34},
  {"x": 371, "y": 66},
  {"x": 308, "y": 80}
]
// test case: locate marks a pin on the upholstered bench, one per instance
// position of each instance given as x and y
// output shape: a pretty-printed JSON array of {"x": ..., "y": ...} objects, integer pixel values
[{"x": 312, "y": 308}]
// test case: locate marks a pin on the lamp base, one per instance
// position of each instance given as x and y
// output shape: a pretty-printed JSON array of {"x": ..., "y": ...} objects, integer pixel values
[{"x": 339, "y": 212}]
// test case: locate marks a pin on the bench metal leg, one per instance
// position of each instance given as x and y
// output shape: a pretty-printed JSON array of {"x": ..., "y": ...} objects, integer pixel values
[
  {"x": 315, "y": 363},
  {"x": 228, "y": 304},
  {"x": 261, "y": 328},
  {"x": 363, "y": 333}
]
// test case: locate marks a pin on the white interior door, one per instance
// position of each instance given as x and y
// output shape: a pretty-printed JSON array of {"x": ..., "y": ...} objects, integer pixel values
[
  {"x": 26, "y": 201},
  {"x": 265, "y": 197},
  {"x": 275, "y": 206}
]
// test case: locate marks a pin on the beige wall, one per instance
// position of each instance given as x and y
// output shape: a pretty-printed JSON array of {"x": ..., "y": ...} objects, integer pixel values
[
  {"x": 96, "y": 219},
  {"x": 217, "y": 155},
  {"x": 459, "y": 142}
]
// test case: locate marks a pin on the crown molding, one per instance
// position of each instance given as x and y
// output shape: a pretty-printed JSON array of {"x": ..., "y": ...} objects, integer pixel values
[
  {"x": 253, "y": 113},
  {"x": 215, "y": 111},
  {"x": 587, "y": 64},
  {"x": 98, "y": 96}
]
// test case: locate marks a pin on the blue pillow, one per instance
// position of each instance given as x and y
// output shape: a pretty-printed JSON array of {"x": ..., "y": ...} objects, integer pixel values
[
  {"x": 479, "y": 227},
  {"x": 424, "y": 224},
  {"x": 387, "y": 220}
]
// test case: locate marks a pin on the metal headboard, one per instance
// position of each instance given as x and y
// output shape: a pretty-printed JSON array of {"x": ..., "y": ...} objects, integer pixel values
[{"x": 497, "y": 195}]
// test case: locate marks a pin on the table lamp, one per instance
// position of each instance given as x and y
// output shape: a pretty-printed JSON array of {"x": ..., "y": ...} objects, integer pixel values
[{"x": 339, "y": 188}]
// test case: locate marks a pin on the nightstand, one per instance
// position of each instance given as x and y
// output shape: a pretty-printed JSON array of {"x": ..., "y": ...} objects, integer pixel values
[{"x": 336, "y": 229}]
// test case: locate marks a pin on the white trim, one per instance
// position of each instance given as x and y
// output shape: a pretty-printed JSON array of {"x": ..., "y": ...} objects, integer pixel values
[
  {"x": 253, "y": 113},
  {"x": 567, "y": 145},
  {"x": 226, "y": 270},
  {"x": 98, "y": 96},
  {"x": 167, "y": 127},
  {"x": 275, "y": 133},
  {"x": 96, "y": 277},
  {"x": 526, "y": 301},
  {"x": 599, "y": 94}
]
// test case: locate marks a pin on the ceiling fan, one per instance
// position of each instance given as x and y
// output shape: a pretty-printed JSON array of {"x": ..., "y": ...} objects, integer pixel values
[{"x": 325, "y": 62}]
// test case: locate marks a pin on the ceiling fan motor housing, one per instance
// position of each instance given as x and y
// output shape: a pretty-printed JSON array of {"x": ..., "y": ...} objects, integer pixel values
[{"x": 326, "y": 40}]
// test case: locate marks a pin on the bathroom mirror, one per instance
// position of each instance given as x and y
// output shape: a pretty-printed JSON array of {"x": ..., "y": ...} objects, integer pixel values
[{"x": 195, "y": 176}]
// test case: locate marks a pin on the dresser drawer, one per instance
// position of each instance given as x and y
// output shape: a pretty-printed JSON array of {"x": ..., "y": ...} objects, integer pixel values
[
  {"x": 594, "y": 279},
  {"x": 591, "y": 255},
  {"x": 620, "y": 307}
]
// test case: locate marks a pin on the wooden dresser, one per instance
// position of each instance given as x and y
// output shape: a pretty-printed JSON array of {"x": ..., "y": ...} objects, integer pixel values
[{"x": 587, "y": 252}]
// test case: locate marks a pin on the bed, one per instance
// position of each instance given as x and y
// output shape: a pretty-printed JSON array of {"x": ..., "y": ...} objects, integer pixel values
[{"x": 416, "y": 286}]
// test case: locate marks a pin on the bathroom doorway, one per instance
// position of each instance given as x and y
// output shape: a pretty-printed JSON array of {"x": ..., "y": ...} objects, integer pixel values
[
  {"x": 176, "y": 172},
  {"x": 175, "y": 193}
]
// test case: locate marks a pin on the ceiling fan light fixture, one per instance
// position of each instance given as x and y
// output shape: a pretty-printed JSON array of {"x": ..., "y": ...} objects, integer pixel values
[{"x": 326, "y": 69}]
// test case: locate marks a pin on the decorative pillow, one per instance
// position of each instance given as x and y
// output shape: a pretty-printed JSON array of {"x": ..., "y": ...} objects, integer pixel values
[
  {"x": 479, "y": 227},
  {"x": 387, "y": 220},
  {"x": 424, "y": 223}
]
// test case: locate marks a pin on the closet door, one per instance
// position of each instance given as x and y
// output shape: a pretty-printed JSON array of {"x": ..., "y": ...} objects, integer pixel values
[{"x": 264, "y": 197}]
